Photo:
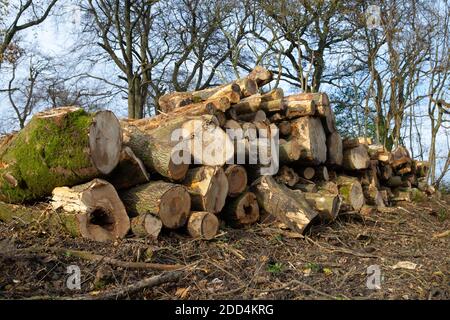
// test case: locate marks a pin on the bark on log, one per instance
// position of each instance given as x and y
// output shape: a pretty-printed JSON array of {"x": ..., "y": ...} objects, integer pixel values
[
  {"x": 373, "y": 196},
  {"x": 157, "y": 155},
  {"x": 306, "y": 187},
  {"x": 237, "y": 179},
  {"x": 350, "y": 143},
  {"x": 59, "y": 147},
  {"x": 129, "y": 172},
  {"x": 257, "y": 116},
  {"x": 261, "y": 75},
  {"x": 356, "y": 158},
  {"x": 397, "y": 181},
  {"x": 99, "y": 213},
  {"x": 170, "y": 202},
  {"x": 310, "y": 135},
  {"x": 401, "y": 194},
  {"x": 295, "y": 109},
  {"x": 334, "y": 149},
  {"x": 320, "y": 99},
  {"x": 328, "y": 205},
  {"x": 146, "y": 226},
  {"x": 400, "y": 156},
  {"x": 254, "y": 102},
  {"x": 328, "y": 186},
  {"x": 242, "y": 211},
  {"x": 203, "y": 225},
  {"x": 208, "y": 187},
  {"x": 351, "y": 191},
  {"x": 283, "y": 203}
]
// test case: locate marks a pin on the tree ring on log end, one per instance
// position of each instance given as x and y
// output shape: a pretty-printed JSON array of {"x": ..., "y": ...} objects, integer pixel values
[{"x": 175, "y": 206}]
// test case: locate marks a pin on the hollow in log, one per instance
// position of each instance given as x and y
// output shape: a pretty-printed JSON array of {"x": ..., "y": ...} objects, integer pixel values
[{"x": 242, "y": 211}]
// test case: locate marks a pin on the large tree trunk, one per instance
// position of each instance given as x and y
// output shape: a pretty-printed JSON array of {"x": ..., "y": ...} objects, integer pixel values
[
  {"x": 203, "y": 225},
  {"x": 208, "y": 187},
  {"x": 283, "y": 203},
  {"x": 169, "y": 202},
  {"x": 157, "y": 155},
  {"x": 309, "y": 134},
  {"x": 242, "y": 211},
  {"x": 59, "y": 147},
  {"x": 99, "y": 212}
]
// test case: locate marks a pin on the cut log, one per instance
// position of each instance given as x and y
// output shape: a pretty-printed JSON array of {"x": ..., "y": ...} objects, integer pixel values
[
  {"x": 351, "y": 191},
  {"x": 421, "y": 168},
  {"x": 310, "y": 135},
  {"x": 295, "y": 109},
  {"x": 328, "y": 205},
  {"x": 232, "y": 91},
  {"x": 158, "y": 155},
  {"x": 242, "y": 211},
  {"x": 129, "y": 172},
  {"x": 401, "y": 194},
  {"x": 327, "y": 117},
  {"x": 400, "y": 156},
  {"x": 261, "y": 75},
  {"x": 328, "y": 186},
  {"x": 257, "y": 116},
  {"x": 319, "y": 98},
  {"x": 285, "y": 128},
  {"x": 397, "y": 181},
  {"x": 289, "y": 151},
  {"x": 283, "y": 203},
  {"x": 356, "y": 158},
  {"x": 146, "y": 226},
  {"x": 237, "y": 179},
  {"x": 174, "y": 100},
  {"x": 350, "y": 143},
  {"x": 98, "y": 212},
  {"x": 373, "y": 196},
  {"x": 211, "y": 106},
  {"x": 170, "y": 202},
  {"x": 307, "y": 173},
  {"x": 386, "y": 171},
  {"x": 254, "y": 102},
  {"x": 59, "y": 147},
  {"x": 334, "y": 149},
  {"x": 203, "y": 225},
  {"x": 379, "y": 152},
  {"x": 287, "y": 176},
  {"x": 321, "y": 173},
  {"x": 367, "y": 210},
  {"x": 208, "y": 187},
  {"x": 306, "y": 187}
]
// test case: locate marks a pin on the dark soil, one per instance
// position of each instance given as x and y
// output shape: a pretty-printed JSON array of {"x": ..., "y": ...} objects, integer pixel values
[{"x": 263, "y": 262}]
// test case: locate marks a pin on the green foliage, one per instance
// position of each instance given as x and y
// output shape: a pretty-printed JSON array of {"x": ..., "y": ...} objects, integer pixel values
[
  {"x": 442, "y": 214},
  {"x": 275, "y": 268}
]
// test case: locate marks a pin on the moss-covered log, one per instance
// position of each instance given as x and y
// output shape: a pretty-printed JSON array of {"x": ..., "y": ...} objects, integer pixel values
[
  {"x": 59, "y": 147},
  {"x": 351, "y": 191},
  {"x": 170, "y": 202}
]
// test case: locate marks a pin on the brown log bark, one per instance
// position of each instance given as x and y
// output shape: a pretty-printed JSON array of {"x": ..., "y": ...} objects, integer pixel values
[
  {"x": 170, "y": 202},
  {"x": 295, "y": 109},
  {"x": 208, "y": 187},
  {"x": 328, "y": 186},
  {"x": 237, "y": 179},
  {"x": 321, "y": 173},
  {"x": 320, "y": 99},
  {"x": 310, "y": 135},
  {"x": 98, "y": 212},
  {"x": 283, "y": 203},
  {"x": 242, "y": 211},
  {"x": 261, "y": 75},
  {"x": 306, "y": 187},
  {"x": 334, "y": 149},
  {"x": 285, "y": 128},
  {"x": 203, "y": 225},
  {"x": 257, "y": 116},
  {"x": 356, "y": 158},
  {"x": 129, "y": 172}
]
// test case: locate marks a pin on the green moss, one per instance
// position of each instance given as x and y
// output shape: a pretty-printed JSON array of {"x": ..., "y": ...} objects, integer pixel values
[{"x": 47, "y": 154}]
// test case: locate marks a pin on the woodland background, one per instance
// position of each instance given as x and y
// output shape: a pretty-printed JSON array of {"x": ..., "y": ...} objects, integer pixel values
[{"x": 385, "y": 63}]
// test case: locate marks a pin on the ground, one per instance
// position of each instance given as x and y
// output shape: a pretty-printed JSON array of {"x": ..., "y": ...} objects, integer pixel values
[{"x": 264, "y": 262}]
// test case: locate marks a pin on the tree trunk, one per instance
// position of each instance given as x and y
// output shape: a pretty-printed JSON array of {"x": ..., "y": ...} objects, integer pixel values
[
  {"x": 203, "y": 225},
  {"x": 310, "y": 135},
  {"x": 59, "y": 147},
  {"x": 242, "y": 211},
  {"x": 208, "y": 187},
  {"x": 283, "y": 203},
  {"x": 99, "y": 212},
  {"x": 237, "y": 179},
  {"x": 170, "y": 202},
  {"x": 129, "y": 172}
]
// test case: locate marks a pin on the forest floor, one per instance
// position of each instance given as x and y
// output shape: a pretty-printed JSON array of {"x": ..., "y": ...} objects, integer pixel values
[{"x": 410, "y": 244}]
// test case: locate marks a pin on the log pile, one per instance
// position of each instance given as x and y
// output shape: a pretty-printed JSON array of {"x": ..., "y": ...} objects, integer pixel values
[{"x": 229, "y": 153}]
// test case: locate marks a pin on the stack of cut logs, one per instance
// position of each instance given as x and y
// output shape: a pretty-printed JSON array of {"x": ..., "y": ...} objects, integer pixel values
[{"x": 108, "y": 178}]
